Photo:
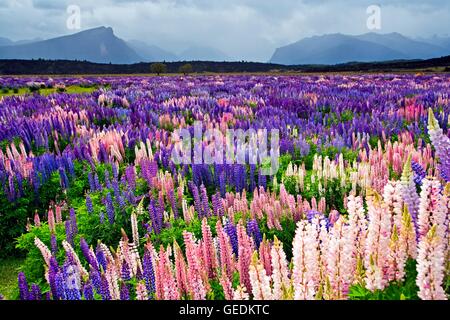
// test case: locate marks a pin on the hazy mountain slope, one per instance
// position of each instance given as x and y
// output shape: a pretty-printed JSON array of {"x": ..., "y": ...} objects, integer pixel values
[
  {"x": 333, "y": 49},
  {"x": 95, "y": 45},
  {"x": 151, "y": 53}
]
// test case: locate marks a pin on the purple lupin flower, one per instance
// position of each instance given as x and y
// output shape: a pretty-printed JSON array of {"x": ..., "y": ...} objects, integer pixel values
[
  {"x": 73, "y": 222},
  {"x": 419, "y": 172},
  {"x": 94, "y": 277},
  {"x": 60, "y": 287},
  {"x": 88, "y": 291},
  {"x": 107, "y": 179},
  {"x": 130, "y": 175},
  {"x": 109, "y": 208},
  {"x": 97, "y": 183},
  {"x": 23, "y": 286},
  {"x": 173, "y": 203},
  {"x": 69, "y": 234},
  {"x": 231, "y": 231},
  {"x": 149, "y": 275},
  {"x": 125, "y": 271},
  {"x": 101, "y": 258},
  {"x": 254, "y": 232},
  {"x": 205, "y": 202},
  {"x": 104, "y": 292},
  {"x": 35, "y": 293},
  {"x": 218, "y": 209},
  {"x": 124, "y": 292},
  {"x": 52, "y": 273},
  {"x": 54, "y": 244},
  {"x": 89, "y": 205},
  {"x": 91, "y": 182},
  {"x": 72, "y": 280},
  {"x": 154, "y": 217},
  {"x": 196, "y": 196},
  {"x": 64, "y": 181},
  {"x": 87, "y": 253},
  {"x": 102, "y": 217}
]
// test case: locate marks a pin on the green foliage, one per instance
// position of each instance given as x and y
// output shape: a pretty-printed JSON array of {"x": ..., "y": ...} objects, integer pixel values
[
  {"x": 407, "y": 290},
  {"x": 186, "y": 69},
  {"x": 14, "y": 214},
  {"x": 158, "y": 68}
]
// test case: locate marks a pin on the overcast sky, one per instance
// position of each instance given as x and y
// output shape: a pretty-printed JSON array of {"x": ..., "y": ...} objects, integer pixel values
[{"x": 243, "y": 29}]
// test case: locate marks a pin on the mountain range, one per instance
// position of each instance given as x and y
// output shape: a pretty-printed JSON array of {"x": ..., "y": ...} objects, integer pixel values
[
  {"x": 101, "y": 45},
  {"x": 339, "y": 48}
]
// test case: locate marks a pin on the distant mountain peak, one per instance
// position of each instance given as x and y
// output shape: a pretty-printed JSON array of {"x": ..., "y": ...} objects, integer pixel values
[
  {"x": 95, "y": 45},
  {"x": 369, "y": 47}
]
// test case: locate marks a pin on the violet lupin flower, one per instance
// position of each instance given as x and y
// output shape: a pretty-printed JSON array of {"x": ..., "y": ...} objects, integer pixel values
[
  {"x": 73, "y": 221},
  {"x": 125, "y": 271},
  {"x": 441, "y": 144},
  {"x": 89, "y": 205},
  {"x": 72, "y": 280},
  {"x": 60, "y": 286},
  {"x": 419, "y": 172},
  {"x": 149, "y": 274},
  {"x": 88, "y": 292},
  {"x": 101, "y": 258},
  {"x": 196, "y": 197},
  {"x": 231, "y": 231},
  {"x": 95, "y": 279},
  {"x": 64, "y": 181},
  {"x": 91, "y": 182},
  {"x": 23, "y": 287},
  {"x": 35, "y": 293},
  {"x": 104, "y": 292},
  {"x": 69, "y": 234},
  {"x": 54, "y": 244},
  {"x": 205, "y": 202},
  {"x": 109, "y": 208},
  {"x": 52, "y": 273},
  {"x": 124, "y": 292},
  {"x": 254, "y": 232}
]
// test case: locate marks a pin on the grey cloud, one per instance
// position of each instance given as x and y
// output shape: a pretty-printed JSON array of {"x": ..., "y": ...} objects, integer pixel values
[{"x": 243, "y": 29}]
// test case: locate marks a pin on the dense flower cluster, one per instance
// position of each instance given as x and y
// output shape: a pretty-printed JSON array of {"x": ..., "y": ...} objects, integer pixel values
[{"x": 360, "y": 204}]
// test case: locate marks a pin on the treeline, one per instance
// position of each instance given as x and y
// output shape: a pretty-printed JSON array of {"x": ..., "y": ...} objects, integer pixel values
[{"x": 22, "y": 67}]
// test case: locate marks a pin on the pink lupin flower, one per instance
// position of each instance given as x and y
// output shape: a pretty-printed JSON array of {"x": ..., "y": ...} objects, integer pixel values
[
  {"x": 225, "y": 250},
  {"x": 58, "y": 214},
  {"x": 431, "y": 266},
  {"x": 37, "y": 220},
  {"x": 402, "y": 245},
  {"x": 245, "y": 250},
  {"x": 432, "y": 209},
  {"x": 377, "y": 243},
  {"x": 259, "y": 280},
  {"x": 265, "y": 255},
  {"x": 240, "y": 293},
  {"x": 195, "y": 282},
  {"x": 51, "y": 221},
  {"x": 209, "y": 253},
  {"x": 226, "y": 286},
  {"x": 180, "y": 270},
  {"x": 341, "y": 259},
  {"x": 45, "y": 251},
  {"x": 141, "y": 291},
  {"x": 169, "y": 285},
  {"x": 393, "y": 200},
  {"x": 280, "y": 274},
  {"x": 409, "y": 192},
  {"x": 306, "y": 261}
]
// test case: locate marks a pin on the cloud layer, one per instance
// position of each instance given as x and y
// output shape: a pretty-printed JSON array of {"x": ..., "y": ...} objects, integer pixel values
[{"x": 243, "y": 29}]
